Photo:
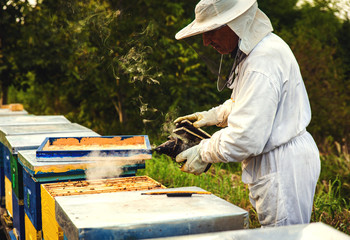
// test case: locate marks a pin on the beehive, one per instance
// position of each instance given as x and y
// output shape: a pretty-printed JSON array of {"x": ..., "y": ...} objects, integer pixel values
[
  {"x": 136, "y": 215},
  {"x": 36, "y": 173},
  {"x": 13, "y": 170},
  {"x": 50, "y": 227},
  {"x": 18, "y": 120}
]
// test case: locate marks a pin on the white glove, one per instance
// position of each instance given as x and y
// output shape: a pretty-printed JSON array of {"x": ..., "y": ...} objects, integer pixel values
[
  {"x": 200, "y": 119},
  {"x": 194, "y": 163}
]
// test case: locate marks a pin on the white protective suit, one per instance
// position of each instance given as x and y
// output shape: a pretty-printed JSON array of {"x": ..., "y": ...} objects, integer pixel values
[{"x": 266, "y": 118}]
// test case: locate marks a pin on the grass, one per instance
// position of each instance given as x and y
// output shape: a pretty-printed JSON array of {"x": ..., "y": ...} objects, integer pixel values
[{"x": 331, "y": 202}]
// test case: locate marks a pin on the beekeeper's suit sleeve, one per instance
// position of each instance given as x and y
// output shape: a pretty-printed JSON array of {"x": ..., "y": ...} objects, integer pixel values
[
  {"x": 220, "y": 113},
  {"x": 249, "y": 122}
]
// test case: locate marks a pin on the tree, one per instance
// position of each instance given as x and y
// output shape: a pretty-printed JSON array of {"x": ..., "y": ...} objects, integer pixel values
[
  {"x": 314, "y": 42},
  {"x": 11, "y": 18}
]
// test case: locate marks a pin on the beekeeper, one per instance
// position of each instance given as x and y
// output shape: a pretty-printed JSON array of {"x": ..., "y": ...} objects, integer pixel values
[{"x": 264, "y": 123}]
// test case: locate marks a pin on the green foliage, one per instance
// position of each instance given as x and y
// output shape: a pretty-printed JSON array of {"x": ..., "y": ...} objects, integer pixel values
[
  {"x": 314, "y": 42},
  {"x": 330, "y": 206}
]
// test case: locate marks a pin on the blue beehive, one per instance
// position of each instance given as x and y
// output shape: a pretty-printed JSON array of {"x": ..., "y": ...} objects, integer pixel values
[
  {"x": 18, "y": 118},
  {"x": 12, "y": 138},
  {"x": 37, "y": 172}
]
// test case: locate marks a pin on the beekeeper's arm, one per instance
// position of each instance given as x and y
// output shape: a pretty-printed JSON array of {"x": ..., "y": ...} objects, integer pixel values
[
  {"x": 249, "y": 123},
  {"x": 215, "y": 116}
]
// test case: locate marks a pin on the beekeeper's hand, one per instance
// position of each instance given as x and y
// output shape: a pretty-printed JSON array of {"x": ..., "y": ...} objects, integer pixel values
[
  {"x": 194, "y": 163},
  {"x": 200, "y": 119}
]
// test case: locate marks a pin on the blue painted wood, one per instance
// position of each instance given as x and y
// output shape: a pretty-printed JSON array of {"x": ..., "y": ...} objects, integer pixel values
[
  {"x": 12, "y": 235},
  {"x": 2, "y": 176},
  {"x": 7, "y": 163},
  {"x": 18, "y": 216},
  {"x": 2, "y": 187},
  {"x": 1, "y": 154},
  {"x": 32, "y": 200},
  {"x": 41, "y": 153}
]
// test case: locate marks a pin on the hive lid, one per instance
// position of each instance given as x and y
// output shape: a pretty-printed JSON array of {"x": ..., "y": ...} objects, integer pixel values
[
  {"x": 8, "y": 112},
  {"x": 32, "y": 120},
  {"x": 26, "y": 142},
  {"x": 124, "y": 147},
  {"x": 136, "y": 216}
]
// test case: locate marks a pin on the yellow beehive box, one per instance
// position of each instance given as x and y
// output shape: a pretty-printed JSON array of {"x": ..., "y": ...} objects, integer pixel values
[
  {"x": 30, "y": 232},
  {"x": 50, "y": 227},
  {"x": 8, "y": 196}
]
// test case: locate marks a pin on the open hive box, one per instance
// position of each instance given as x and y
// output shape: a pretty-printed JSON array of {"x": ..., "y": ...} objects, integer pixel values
[
  {"x": 102, "y": 186},
  {"x": 50, "y": 227},
  {"x": 95, "y": 148}
]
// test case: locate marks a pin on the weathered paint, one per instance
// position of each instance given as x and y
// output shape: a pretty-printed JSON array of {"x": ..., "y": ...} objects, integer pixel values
[{"x": 32, "y": 201}]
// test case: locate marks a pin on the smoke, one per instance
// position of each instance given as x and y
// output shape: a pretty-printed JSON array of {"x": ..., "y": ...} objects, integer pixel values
[
  {"x": 169, "y": 125},
  {"x": 102, "y": 170},
  {"x": 111, "y": 166}
]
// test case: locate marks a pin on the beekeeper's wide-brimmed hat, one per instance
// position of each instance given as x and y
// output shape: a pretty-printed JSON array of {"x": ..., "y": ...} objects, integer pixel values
[{"x": 211, "y": 14}]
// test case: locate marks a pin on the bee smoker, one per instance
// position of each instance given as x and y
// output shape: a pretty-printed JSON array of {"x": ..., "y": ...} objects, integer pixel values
[{"x": 184, "y": 136}]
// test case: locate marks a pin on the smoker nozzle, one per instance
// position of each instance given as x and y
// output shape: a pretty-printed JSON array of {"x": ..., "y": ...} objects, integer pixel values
[{"x": 172, "y": 147}]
